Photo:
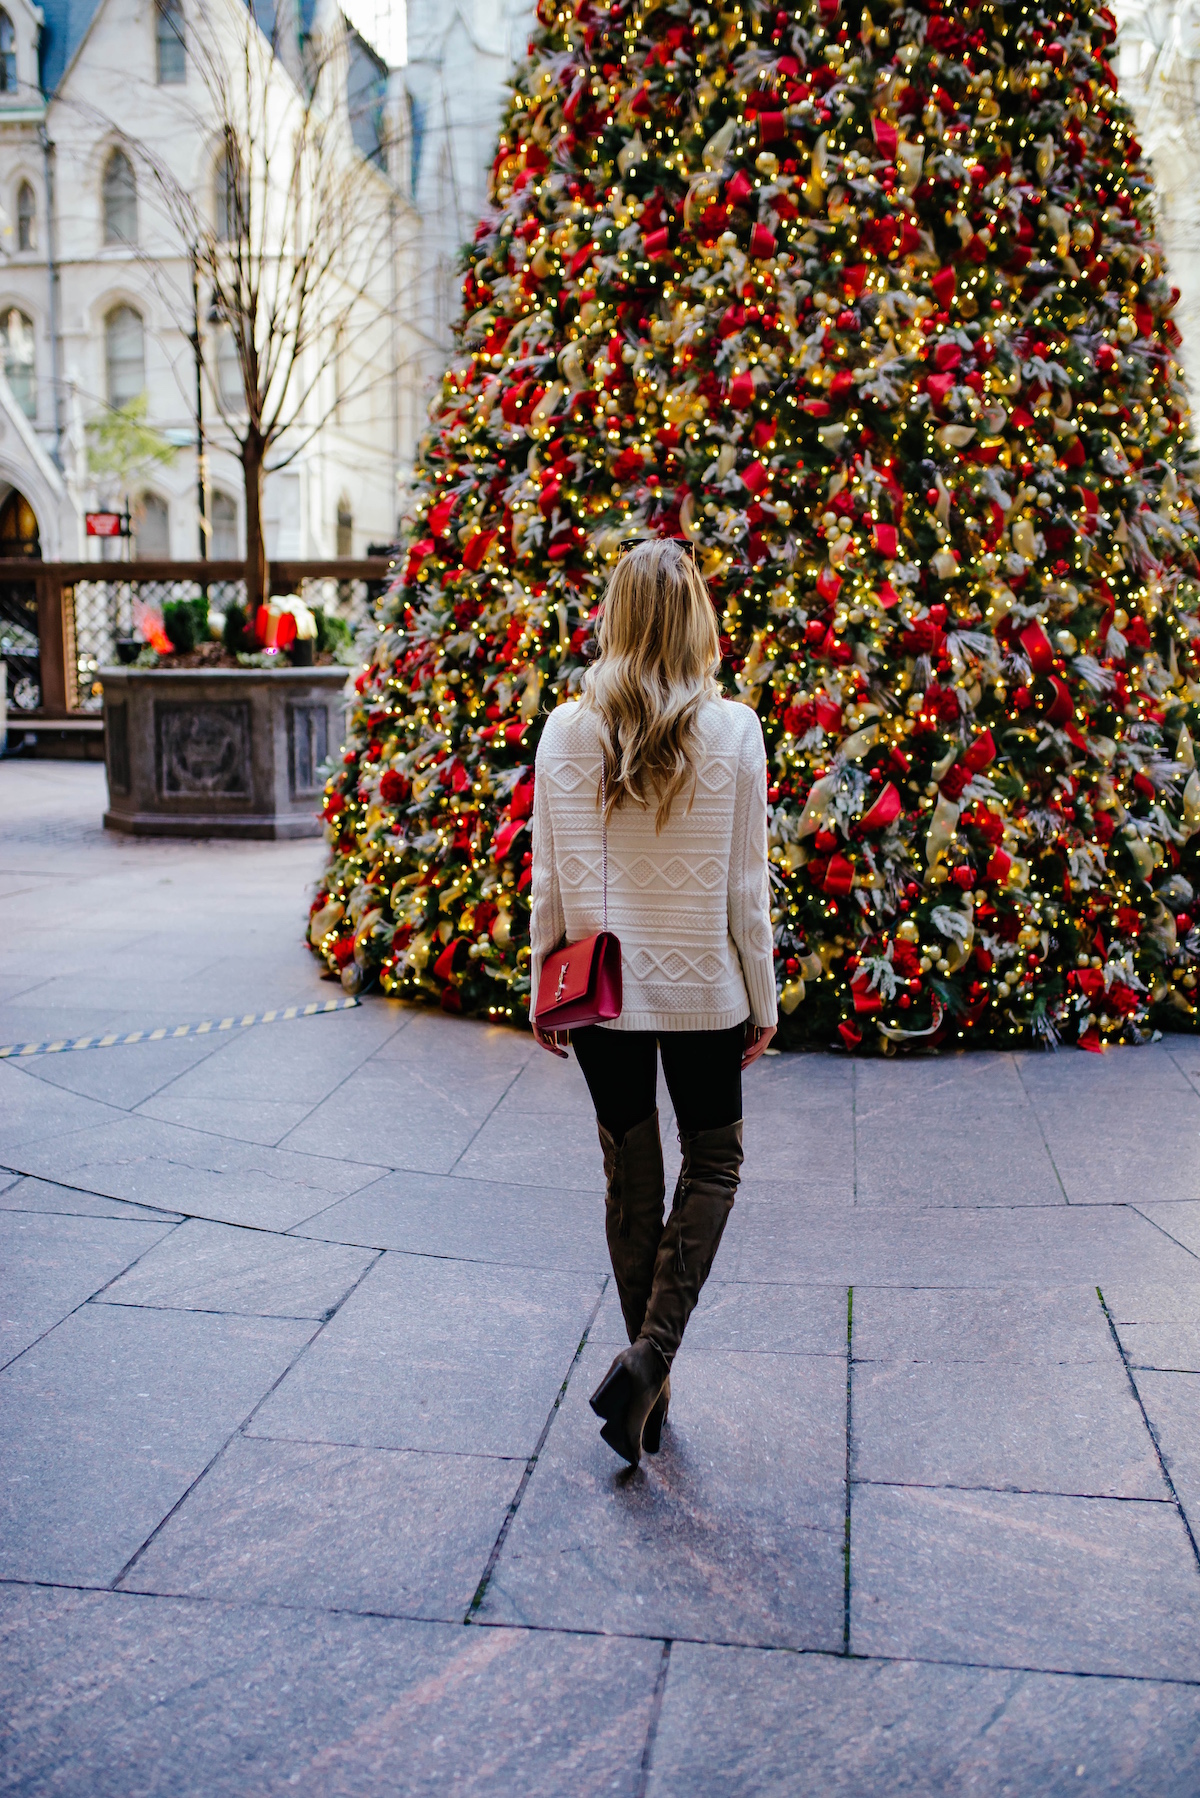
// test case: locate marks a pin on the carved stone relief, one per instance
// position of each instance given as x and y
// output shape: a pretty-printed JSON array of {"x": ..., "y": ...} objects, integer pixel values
[{"x": 203, "y": 748}]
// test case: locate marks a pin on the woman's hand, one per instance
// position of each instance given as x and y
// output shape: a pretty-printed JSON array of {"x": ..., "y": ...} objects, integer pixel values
[
  {"x": 549, "y": 1040},
  {"x": 757, "y": 1038}
]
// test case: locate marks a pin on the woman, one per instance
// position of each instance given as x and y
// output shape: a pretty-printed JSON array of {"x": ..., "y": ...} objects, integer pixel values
[{"x": 685, "y": 818}]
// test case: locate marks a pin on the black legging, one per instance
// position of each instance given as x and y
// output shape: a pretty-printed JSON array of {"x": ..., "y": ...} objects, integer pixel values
[{"x": 703, "y": 1071}]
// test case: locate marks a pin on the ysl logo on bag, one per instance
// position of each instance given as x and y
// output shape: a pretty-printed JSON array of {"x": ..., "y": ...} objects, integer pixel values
[{"x": 562, "y": 980}]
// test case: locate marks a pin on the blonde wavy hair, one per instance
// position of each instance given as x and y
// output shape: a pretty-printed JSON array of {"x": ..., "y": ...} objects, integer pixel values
[{"x": 658, "y": 656}]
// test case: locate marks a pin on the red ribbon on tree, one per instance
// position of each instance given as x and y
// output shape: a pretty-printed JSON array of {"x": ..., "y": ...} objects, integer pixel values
[{"x": 885, "y": 811}]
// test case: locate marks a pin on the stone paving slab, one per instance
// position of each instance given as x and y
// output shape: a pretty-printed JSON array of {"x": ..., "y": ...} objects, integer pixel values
[
  {"x": 470, "y": 1220},
  {"x": 26, "y": 1194},
  {"x": 110, "y": 1418},
  {"x": 512, "y": 1144},
  {"x": 437, "y": 1054},
  {"x": 732, "y": 1316},
  {"x": 957, "y": 1170},
  {"x": 1101, "y": 1160},
  {"x": 1157, "y": 1325},
  {"x": 346, "y": 1529},
  {"x": 1172, "y": 1348},
  {"x": 1111, "y": 1086},
  {"x": 992, "y": 1153},
  {"x": 1059, "y": 1325},
  {"x": 739, "y": 1721},
  {"x": 816, "y": 1158},
  {"x": 1134, "y": 1301},
  {"x": 300, "y": 1064},
  {"x": 50, "y": 1265},
  {"x": 125, "y": 1076},
  {"x": 297, "y": 1473},
  {"x": 734, "y": 1531},
  {"x": 398, "y": 1116},
  {"x": 1079, "y": 1585},
  {"x": 1011, "y": 1426},
  {"x": 200, "y": 1172},
  {"x": 251, "y": 1120},
  {"x": 955, "y": 1247},
  {"x": 118, "y": 1696},
  {"x": 203, "y": 1266},
  {"x": 450, "y": 1356},
  {"x": 1181, "y": 1222},
  {"x": 33, "y": 1111},
  {"x": 1172, "y": 1402},
  {"x": 785, "y": 1320}
]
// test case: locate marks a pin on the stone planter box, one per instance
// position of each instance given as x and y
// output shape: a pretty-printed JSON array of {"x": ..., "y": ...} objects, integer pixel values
[{"x": 219, "y": 752}]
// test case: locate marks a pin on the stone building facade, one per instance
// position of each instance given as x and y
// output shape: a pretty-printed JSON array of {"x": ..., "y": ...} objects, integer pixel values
[
  {"x": 97, "y": 304},
  {"x": 1159, "y": 71}
]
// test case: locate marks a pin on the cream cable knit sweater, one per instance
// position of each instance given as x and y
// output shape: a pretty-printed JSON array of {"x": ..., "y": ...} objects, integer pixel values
[{"x": 691, "y": 906}]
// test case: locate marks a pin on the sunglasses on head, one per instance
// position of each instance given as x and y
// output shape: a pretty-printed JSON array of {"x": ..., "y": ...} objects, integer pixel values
[{"x": 637, "y": 542}]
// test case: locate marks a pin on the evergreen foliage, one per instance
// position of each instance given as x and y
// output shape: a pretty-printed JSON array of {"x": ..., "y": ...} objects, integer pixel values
[{"x": 866, "y": 304}]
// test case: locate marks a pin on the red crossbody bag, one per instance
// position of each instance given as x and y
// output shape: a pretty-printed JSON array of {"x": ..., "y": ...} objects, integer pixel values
[{"x": 581, "y": 982}]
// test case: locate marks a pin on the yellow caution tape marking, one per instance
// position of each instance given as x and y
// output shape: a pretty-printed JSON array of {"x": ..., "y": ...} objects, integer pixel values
[{"x": 316, "y": 1008}]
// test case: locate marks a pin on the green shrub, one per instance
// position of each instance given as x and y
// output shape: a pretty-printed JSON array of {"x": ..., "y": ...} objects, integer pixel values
[
  {"x": 186, "y": 623},
  {"x": 333, "y": 633},
  {"x": 236, "y": 635}
]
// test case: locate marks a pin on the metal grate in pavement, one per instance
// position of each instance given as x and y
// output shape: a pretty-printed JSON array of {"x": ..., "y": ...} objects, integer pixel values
[{"x": 167, "y": 1033}]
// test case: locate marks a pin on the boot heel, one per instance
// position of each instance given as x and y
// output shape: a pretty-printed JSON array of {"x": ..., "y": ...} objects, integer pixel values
[
  {"x": 611, "y": 1401},
  {"x": 626, "y": 1396}
]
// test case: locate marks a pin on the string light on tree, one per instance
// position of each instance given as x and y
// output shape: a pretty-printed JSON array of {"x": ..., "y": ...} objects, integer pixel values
[{"x": 865, "y": 303}]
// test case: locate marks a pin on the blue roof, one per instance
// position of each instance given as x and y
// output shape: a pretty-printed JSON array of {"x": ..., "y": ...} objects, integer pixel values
[{"x": 66, "y": 25}]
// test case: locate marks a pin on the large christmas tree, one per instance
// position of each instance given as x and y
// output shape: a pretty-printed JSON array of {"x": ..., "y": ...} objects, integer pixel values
[{"x": 866, "y": 305}]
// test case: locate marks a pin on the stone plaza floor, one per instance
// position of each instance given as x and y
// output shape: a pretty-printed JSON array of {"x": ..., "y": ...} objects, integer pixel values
[{"x": 299, "y": 1488}]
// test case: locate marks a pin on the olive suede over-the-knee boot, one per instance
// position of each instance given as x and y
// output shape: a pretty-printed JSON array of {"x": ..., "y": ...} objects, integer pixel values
[
  {"x": 704, "y": 1195},
  {"x": 633, "y": 1220}
]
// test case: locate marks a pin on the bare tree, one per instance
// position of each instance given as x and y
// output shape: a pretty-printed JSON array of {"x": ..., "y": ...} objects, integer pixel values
[{"x": 294, "y": 240}]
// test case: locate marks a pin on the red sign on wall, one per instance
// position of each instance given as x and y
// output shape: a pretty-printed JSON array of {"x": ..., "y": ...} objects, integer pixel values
[{"x": 106, "y": 524}]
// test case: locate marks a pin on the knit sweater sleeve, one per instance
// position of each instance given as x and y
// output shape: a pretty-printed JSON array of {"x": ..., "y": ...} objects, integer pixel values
[
  {"x": 749, "y": 885},
  {"x": 547, "y": 923}
]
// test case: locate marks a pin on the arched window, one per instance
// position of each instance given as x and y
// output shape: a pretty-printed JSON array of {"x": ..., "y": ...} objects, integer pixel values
[
  {"x": 345, "y": 528},
  {"x": 152, "y": 529},
  {"x": 26, "y": 218},
  {"x": 170, "y": 43},
  {"x": 125, "y": 355},
  {"x": 224, "y": 545},
  {"x": 231, "y": 388},
  {"x": 8, "y": 55},
  {"x": 230, "y": 194},
  {"x": 16, "y": 340},
  {"x": 120, "y": 200}
]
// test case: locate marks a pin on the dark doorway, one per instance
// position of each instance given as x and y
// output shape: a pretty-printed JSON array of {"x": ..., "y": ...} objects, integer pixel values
[{"x": 18, "y": 605}]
